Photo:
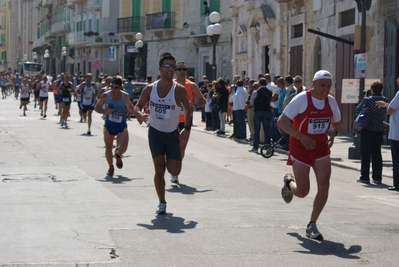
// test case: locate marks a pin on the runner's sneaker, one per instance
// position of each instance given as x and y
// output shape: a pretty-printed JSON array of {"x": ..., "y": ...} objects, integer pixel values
[
  {"x": 174, "y": 179},
  {"x": 119, "y": 163},
  {"x": 161, "y": 208},
  {"x": 285, "y": 191},
  {"x": 24, "y": 114},
  {"x": 66, "y": 124},
  {"x": 88, "y": 132},
  {"x": 312, "y": 232},
  {"x": 110, "y": 171},
  {"x": 44, "y": 116}
]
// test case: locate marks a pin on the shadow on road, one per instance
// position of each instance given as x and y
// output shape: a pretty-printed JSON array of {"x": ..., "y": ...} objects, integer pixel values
[
  {"x": 325, "y": 247},
  {"x": 170, "y": 223},
  {"x": 185, "y": 189},
  {"x": 118, "y": 179}
]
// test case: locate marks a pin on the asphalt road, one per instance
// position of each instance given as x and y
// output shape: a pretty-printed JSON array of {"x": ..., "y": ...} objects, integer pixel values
[{"x": 58, "y": 208}]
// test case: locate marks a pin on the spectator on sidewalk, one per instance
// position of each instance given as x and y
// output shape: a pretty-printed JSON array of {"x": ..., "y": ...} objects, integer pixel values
[
  {"x": 393, "y": 135},
  {"x": 260, "y": 100},
  {"x": 238, "y": 99},
  {"x": 371, "y": 136}
]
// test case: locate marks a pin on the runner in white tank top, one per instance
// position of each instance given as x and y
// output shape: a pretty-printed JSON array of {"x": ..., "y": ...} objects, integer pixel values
[
  {"x": 163, "y": 137},
  {"x": 164, "y": 112}
]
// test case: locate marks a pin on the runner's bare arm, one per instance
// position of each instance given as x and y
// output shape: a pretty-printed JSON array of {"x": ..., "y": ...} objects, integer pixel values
[{"x": 198, "y": 95}]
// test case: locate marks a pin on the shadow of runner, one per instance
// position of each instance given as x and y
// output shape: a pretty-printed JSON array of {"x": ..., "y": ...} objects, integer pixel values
[
  {"x": 119, "y": 179},
  {"x": 170, "y": 223},
  {"x": 325, "y": 247},
  {"x": 185, "y": 189}
]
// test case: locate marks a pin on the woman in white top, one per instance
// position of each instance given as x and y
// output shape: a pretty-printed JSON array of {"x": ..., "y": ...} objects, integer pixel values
[
  {"x": 43, "y": 95},
  {"x": 24, "y": 97}
]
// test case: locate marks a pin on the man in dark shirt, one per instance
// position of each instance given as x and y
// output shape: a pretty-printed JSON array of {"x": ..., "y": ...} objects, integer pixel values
[
  {"x": 260, "y": 100},
  {"x": 222, "y": 95}
]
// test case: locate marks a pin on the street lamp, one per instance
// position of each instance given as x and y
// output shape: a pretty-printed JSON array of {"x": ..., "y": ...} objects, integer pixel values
[
  {"x": 139, "y": 44},
  {"x": 214, "y": 30},
  {"x": 47, "y": 58},
  {"x": 25, "y": 58},
  {"x": 34, "y": 56},
  {"x": 63, "y": 54}
]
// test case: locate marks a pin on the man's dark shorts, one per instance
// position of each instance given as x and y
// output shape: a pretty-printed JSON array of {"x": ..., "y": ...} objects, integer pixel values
[{"x": 164, "y": 144}]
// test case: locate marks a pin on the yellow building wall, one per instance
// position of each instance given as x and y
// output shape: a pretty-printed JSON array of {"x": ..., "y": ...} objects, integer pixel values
[{"x": 125, "y": 8}]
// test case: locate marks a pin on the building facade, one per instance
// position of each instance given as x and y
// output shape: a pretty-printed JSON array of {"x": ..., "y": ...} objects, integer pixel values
[{"x": 176, "y": 27}]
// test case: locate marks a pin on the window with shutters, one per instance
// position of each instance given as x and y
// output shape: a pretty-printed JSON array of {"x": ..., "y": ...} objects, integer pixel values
[{"x": 347, "y": 18}]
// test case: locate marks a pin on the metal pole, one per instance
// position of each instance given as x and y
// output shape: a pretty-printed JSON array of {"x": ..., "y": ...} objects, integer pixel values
[
  {"x": 362, "y": 45},
  {"x": 214, "y": 39}
]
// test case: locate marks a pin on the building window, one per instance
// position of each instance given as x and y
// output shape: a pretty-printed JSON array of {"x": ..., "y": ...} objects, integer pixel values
[
  {"x": 347, "y": 18},
  {"x": 297, "y": 30}
]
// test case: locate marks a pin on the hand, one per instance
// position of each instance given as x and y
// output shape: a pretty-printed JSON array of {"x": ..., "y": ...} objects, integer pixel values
[
  {"x": 331, "y": 137},
  {"x": 109, "y": 111},
  {"x": 142, "y": 118},
  {"x": 308, "y": 142},
  {"x": 381, "y": 104}
]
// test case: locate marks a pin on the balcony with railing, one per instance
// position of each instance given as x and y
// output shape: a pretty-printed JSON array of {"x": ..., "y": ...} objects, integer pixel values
[
  {"x": 160, "y": 21},
  {"x": 77, "y": 38},
  {"x": 60, "y": 27},
  {"x": 39, "y": 42},
  {"x": 94, "y": 4},
  {"x": 130, "y": 24}
]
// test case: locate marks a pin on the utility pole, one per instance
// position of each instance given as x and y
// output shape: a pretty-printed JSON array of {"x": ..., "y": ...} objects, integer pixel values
[{"x": 362, "y": 7}]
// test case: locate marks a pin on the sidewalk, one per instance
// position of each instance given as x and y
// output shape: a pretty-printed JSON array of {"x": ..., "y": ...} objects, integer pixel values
[{"x": 339, "y": 151}]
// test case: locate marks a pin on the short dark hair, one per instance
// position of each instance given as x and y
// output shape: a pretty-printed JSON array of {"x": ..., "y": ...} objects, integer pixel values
[
  {"x": 205, "y": 3},
  {"x": 289, "y": 79},
  {"x": 221, "y": 82},
  {"x": 117, "y": 80},
  {"x": 262, "y": 82},
  {"x": 377, "y": 87},
  {"x": 240, "y": 83},
  {"x": 165, "y": 57}
]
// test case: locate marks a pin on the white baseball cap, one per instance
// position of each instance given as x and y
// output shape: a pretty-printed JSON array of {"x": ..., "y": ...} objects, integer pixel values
[{"x": 322, "y": 74}]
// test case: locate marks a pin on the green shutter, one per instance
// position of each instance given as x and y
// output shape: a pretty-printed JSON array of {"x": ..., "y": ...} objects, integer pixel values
[
  {"x": 167, "y": 8},
  {"x": 89, "y": 24},
  {"x": 166, "y": 5},
  {"x": 216, "y": 6},
  {"x": 98, "y": 25},
  {"x": 136, "y": 14}
]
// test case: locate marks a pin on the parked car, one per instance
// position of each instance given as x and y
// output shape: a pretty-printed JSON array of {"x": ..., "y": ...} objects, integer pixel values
[{"x": 137, "y": 89}]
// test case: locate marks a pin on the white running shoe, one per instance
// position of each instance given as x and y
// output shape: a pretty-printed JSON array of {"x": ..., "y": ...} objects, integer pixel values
[
  {"x": 161, "y": 208},
  {"x": 174, "y": 179}
]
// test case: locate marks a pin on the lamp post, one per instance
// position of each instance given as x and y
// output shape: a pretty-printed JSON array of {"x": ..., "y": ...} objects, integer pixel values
[
  {"x": 63, "y": 54},
  {"x": 47, "y": 58},
  {"x": 25, "y": 58},
  {"x": 34, "y": 56},
  {"x": 139, "y": 44},
  {"x": 214, "y": 30}
]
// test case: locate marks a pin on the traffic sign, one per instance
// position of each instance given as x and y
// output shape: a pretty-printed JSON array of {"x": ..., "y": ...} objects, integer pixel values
[{"x": 96, "y": 65}]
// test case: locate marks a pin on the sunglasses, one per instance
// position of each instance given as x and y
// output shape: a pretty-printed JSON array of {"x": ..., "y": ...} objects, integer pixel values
[
  {"x": 169, "y": 66},
  {"x": 297, "y": 81},
  {"x": 115, "y": 86},
  {"x": 181, "y": 69}
]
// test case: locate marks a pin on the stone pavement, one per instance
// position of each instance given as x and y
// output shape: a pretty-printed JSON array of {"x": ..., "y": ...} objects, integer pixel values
[{"x": 339, "y": 151}]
